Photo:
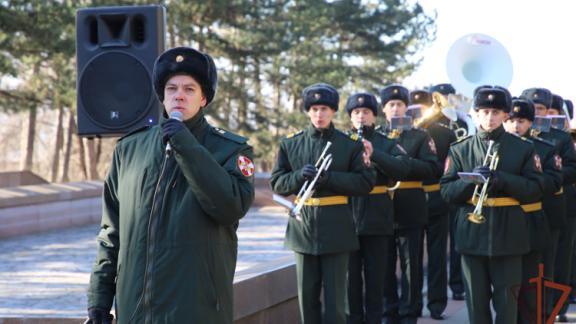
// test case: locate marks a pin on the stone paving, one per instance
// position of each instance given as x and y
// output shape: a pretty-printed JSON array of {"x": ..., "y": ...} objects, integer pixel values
[{"x": 46, "y": 275}]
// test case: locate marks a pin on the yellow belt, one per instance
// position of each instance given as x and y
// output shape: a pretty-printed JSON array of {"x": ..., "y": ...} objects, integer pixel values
[
  {"x": 379, "y": 190},
  {"x": 497, "y": 202},
  {"x": 528, "y": 208},
  {"x": 325, "y": 201},
  {"x": 410, "y": 185},
  {"x": 559, "y": 192},
  {"x": 432, "y": 188}
]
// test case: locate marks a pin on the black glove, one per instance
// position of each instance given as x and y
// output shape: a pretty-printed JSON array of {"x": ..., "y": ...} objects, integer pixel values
[
  {"x": 99, "y": 316},
  {"x": 308, "y": 171},
  {"x": 323, "y": 178},
  {"x": 484, "y": 171},
  {"x": 171, "y": 127}
]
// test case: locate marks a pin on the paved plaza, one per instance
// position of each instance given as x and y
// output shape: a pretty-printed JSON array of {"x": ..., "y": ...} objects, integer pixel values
[{"x": 46, "y": 275}]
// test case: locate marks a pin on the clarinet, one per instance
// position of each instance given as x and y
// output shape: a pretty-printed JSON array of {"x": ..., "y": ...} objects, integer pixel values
[{"x": 360, "y": 132}]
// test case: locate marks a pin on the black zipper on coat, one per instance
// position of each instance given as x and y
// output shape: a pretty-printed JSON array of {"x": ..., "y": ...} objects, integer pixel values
[{"x": 150, "y": 247}]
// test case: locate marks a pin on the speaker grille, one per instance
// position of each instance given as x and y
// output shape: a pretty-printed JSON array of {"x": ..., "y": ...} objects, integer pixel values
[{"x": 115, "y": 89}]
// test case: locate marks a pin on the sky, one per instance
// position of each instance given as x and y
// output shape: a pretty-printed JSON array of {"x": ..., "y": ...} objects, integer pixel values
[{"x": 538, "y": 35}]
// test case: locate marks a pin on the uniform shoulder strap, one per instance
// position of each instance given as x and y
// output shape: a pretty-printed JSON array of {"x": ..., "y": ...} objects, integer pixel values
[
  {"x": 461, "y": 140},
  {"x": 541, "y": 140},
  {"x": 298, "y": 133},
  {"x": 228, "y": 135},
  {"x": 137, "y": 130}
]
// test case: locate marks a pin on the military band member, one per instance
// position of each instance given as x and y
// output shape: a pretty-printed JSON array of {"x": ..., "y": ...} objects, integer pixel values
[
  {"x": 324, "y": 234},
  {"x": 410, "y": 212},
  {"x": 492, "y": 245},
  {"x": 373, "y": 213},
  {"x": 437, "y": 227},
  {"x": 564, "y": 218},
  {"x": 520, "y": 122},
  {"x": 455, "y": 270}
]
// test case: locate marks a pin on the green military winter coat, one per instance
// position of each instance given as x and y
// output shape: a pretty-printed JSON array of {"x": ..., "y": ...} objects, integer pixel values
[
  {"x": 167, "y": 246},
  {"x": 505, "y": 231},
  {"x": 565, "y": 147},
  {"x": 374, "y": 213},
  {"x": 410, "y": 205},
  {"x": 323, "y": 229}
]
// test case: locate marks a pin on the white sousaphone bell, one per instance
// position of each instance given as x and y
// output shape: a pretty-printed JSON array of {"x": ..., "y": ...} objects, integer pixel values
[{"x": 475, "y": 60}]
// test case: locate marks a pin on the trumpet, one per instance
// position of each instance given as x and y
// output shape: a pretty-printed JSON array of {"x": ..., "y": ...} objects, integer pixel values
[
  {"x": 490, "y": 160},
  {"x": 440, "y": 107},
  {"x": 307, "y": 190}
]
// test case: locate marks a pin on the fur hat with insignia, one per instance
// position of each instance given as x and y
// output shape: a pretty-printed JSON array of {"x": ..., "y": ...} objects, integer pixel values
[
  {"x": 320, "y": 94},
  {"x": 569, "y": 107},
  {"x": 557, "y": 103},
  {"x": 492, "y": 97},
  {"x": 394, "y": 92},
  {"x": 522, "y": 108},
  {"x": 443, "y": 88},
  {"x": 186, "y": 60},
  {"x": 362, "y": 100},
  {"x": 538, "y": 96},
  {"x": 420, "y": 97}
]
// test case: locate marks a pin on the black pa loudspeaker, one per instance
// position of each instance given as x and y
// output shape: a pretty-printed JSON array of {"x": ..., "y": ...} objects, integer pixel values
[{"x": 116, "y": 48}]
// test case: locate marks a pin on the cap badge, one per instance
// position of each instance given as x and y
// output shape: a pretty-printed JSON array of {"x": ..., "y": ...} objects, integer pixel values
[
  {"x": 360, "y": 100},
  {"x": 490, "y": 97},
  {"x": 516, "y": 109},
  {"x": 317, "y": 96},
  {"x": 416, "y": 97},
  {"x": 395, "y": 91},
  {"x": 179, "y": 58},
  {"x": 535, "y": 95}
]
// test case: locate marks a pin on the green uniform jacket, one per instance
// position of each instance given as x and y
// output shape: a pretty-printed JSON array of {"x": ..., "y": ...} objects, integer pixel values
[
  {"x": 443, "y": 136},
  {"x": 374, "y": 213},
  {"x": 324, "y": 229},
  {"x": 167, "y": 246},
  {"x": 563, "y": 142},
  {"x": 410, "y": 205},
  {"x": 550, "y": 182},
  {"x": 505, "y": 231}
]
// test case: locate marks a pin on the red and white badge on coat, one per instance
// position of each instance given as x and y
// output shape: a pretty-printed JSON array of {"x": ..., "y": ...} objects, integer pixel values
[
  {"x": 558, "y": 162},
  {"x": 447, "y": 164},
  {"x": 245, "y": 165},
  {"x": 432, "y": 146},
  {"x": 537, "y": 163}
]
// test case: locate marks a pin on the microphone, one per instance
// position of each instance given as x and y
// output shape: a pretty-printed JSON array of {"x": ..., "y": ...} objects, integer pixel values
[{"x": 173, "y": 115}]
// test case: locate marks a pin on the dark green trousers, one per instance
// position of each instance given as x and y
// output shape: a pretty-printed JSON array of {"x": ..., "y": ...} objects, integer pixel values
[
  {"x": 496, "y": 278},
  {"x": 563, "y": 268},
  {"x": 408, "y": 246},
  {"x": 327, "y": 272},
  {"x": 549, "y": 260},
  {"x": 455, "y": 270},
  {"x": 527, "y": 299},
  {"x": 436, "y": 245},
  {"x": 365, "y": 279}
]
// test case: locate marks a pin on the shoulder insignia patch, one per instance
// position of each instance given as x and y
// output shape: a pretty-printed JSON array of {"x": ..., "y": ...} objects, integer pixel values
[
  {"x": 432, "y": 146},
  {"x": 537, "y": 163},
  {"x": 245, "y": 165},
  {"x": 447, "y": 164},
  {"x": 137, "y": 130},
  {"x": 294, "y": 134},
  {"x": 231, "y": 136},
  {"x": 557, "y": 162}
]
